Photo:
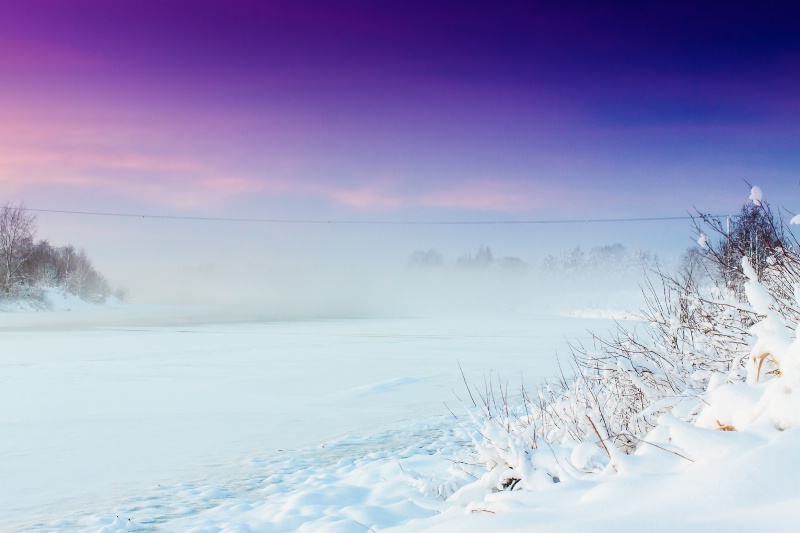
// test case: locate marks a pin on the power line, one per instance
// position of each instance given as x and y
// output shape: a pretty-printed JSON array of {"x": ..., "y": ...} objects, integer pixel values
[{"x": 371, "y": 222}]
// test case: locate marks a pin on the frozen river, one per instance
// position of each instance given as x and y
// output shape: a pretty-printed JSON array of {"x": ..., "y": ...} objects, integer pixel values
[{"x": 96, "y": 407}]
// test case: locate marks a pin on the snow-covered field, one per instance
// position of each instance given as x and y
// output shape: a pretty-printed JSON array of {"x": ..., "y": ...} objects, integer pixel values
[
  {"x": 156, "y": 419},
  {"x": 108, "y": 412}
]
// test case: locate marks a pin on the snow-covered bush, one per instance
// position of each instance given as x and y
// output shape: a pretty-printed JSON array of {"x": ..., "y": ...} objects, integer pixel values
[
  {"x": 705, "y": 338},
  {"x": 773, "y": 369},
  {"x": 29, "y": 267}
]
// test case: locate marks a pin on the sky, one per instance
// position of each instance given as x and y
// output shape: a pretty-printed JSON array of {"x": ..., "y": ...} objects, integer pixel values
[{"x": 388, "y": 111}]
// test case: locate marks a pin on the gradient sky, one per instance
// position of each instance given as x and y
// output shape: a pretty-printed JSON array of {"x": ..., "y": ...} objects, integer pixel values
[{"x": 436, "y": 110}]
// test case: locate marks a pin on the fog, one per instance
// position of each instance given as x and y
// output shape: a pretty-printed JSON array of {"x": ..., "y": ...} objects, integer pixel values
[
  {"x": 300, "y": 291},
  {"x": 342, "y": 291},
  {"x": 276, "y": 272}
]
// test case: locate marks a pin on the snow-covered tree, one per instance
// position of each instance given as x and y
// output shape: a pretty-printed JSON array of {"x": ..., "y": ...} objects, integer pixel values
[
  {"x": 27, "y": 265},
  {"x": 755, "y": 233},
  {"x": 17, "y": 228}
]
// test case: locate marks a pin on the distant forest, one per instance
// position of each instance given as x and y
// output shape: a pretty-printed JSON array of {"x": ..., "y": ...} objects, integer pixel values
[
  {"x": 27, "y": 266},
  {"x": 610, "y": 259},
  {"x": 482, "y": 260}
]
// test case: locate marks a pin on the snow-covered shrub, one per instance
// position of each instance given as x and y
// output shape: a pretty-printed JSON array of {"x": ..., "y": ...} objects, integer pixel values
[
  {"x": 717, "y": 351},
  {"x": 770, "y": 397},
  {"x": 691, "y": 337}
]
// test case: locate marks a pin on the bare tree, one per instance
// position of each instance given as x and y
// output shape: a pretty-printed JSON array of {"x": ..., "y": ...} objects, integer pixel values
[
  {"x": 755, "y": 233},
  {"x": 17, "y": 228},
  {"x": 425, "y": 258}
]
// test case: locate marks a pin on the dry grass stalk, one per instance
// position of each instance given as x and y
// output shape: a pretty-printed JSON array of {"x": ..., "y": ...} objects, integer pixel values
[
  {"x": 760, "y": 359},
  {"x": 724, "y": 427}
]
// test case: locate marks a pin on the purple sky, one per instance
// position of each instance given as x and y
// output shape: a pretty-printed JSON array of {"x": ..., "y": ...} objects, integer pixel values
[{"x": 429, "y": 109}]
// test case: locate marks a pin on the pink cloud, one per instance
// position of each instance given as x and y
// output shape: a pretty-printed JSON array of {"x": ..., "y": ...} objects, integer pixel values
[
  {"x": 385, "y": 195},
  {"x": 164, "y": 162},
  {"x": 493, "y": 195},
  {"x": 130, "y": 160},
  {"x": 186, "y": 193},
  {"x": 379, "y": 195},
  {"x": 368, "y": 198},
  {"x": 122, "y": 162}
]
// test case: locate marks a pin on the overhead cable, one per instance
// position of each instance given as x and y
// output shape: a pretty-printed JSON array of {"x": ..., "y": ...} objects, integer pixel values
[{"x": 373, "y": 221}]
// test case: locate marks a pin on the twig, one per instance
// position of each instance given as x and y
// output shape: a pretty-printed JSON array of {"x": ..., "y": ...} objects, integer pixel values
[
  {"x": 467, "y": 385},
  {"x": 598, "y": 436},
  {"x": 660, "y": 447}
]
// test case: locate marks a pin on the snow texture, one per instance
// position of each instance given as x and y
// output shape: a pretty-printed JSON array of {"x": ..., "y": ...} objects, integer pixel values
[
  {"x": 756, "y": 195},
  {"x": 53, "y": 299},
  {"x": 121, "y": 408},
  {"x": 717, "y": 457}
]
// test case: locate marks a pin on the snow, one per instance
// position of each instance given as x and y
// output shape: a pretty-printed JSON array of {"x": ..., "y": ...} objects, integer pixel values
[
  {"x": 756, "y": 195},
  {"x": 52, "y": 299},
  {"x": 102, "y": 404},
  {"x": 145, "y": 420},
  {"x": 744, "y": 486},
  {"x": 601, "y": 312}
]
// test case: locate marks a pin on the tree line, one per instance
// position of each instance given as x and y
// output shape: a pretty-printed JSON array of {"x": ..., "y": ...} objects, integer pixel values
[
  {"x": 609, "y": 259},
  {"x": 28, "y": 265},
  {"x": 482, "y": 260}
]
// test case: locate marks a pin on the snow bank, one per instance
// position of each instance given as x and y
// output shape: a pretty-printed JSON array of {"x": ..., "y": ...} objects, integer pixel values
[
  {"x": 351, "y": 484},
  {"x": 756, "y": 195},
  {"x": 696, "y": 468},
  {"x": 737, "y": 482},
  {"x": 51, "y": 299}
]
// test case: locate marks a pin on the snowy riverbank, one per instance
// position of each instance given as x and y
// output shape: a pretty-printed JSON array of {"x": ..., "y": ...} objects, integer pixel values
[
  {"x": 54, "y": 299},
  {"x": 339, "y": 426},
  {"x": 106, "y": 406}
]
